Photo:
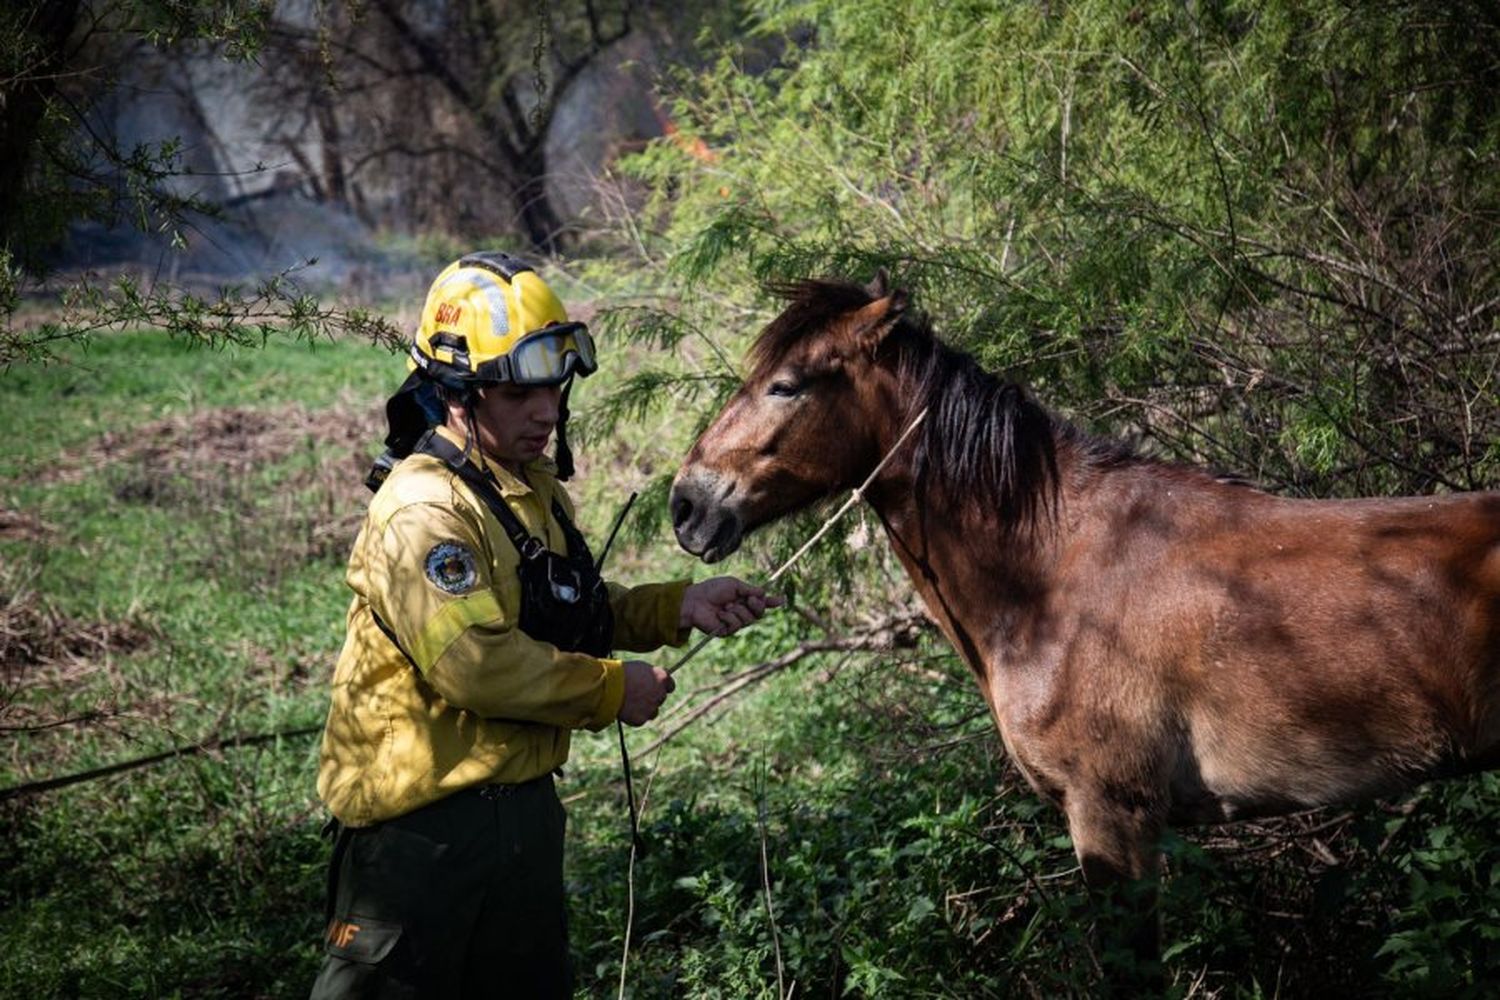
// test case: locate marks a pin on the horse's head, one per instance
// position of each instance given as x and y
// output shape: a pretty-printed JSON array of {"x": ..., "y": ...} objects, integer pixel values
[{"x": 807, "y": 422}]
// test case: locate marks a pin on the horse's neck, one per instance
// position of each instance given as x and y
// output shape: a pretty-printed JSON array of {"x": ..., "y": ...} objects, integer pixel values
[{"x": 984, "y": 586}]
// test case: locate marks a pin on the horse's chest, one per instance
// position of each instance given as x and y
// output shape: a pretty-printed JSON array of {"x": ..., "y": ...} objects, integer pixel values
[
  {"x": 1035, "y": 767},
  {"x": 1029, "y": 708},
  {"x": 1015, "y": 656}
]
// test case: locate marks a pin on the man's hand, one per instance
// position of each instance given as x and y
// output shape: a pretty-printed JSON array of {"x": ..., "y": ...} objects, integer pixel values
[
  {"x": 724, "y": 605},
  {"x": 646, "y": 687}
]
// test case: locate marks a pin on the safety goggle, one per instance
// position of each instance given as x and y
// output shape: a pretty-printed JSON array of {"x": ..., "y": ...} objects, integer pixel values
[{"x": 545, "y": 357}]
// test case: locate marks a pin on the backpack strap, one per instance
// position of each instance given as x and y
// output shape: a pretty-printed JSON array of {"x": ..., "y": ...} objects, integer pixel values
[
  {"x": 528, "y": 545},
  {"x": 439, "y": 447}
]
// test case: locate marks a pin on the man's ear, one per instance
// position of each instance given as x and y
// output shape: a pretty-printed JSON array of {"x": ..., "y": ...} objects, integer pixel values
[
  {"x": 880, "y": 285},
  {"x": 872, "y": 324}
]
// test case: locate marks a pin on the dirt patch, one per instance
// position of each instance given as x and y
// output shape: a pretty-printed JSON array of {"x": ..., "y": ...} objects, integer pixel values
[
  {"x": 209, "y": 465},
  {"x": 19, "y": 526},
  {"x": 229, "y": 441},
  {"x": 43, "y": 649},
  {"x": 35, "y": 634}
]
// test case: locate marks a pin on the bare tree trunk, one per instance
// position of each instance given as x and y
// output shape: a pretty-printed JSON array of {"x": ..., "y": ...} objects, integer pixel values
[
  {"x": 334, "y": 181},
  {"x": 538, "y": 219},
  {"x": 513, "y": 136}
]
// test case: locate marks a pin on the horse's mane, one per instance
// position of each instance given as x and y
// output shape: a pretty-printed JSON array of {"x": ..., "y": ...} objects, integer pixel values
[
  {"x": 984, "y": 441},
  {"x": 812, "y": 304}
]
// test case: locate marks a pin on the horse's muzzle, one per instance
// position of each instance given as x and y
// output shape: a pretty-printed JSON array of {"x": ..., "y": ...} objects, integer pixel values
[{"x": 706, "y": 525}]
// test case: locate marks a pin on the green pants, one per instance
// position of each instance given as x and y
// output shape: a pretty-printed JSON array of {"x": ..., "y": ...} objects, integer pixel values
[{"x": 462, "y": 898}]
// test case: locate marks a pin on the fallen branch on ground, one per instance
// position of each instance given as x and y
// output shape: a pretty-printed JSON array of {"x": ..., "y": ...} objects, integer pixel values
[{"x": 192, "y": 749}]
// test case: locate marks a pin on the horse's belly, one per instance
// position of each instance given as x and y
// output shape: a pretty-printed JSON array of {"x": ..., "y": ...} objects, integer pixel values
[{"x": 1236, "y": 770}]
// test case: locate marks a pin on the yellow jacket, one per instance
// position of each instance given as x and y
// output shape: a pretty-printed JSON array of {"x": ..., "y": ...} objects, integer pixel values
[{"x": 486, "y": 702}]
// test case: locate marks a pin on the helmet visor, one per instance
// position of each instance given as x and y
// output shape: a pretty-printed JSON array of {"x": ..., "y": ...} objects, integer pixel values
[{"x": 548, "y": 356}]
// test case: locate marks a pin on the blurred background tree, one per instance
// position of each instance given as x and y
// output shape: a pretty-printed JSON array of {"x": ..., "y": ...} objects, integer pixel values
[{"x": 304, "y": 147}]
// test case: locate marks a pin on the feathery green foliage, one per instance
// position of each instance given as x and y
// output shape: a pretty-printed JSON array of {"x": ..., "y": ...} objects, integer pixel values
[{"x": 1261, "y": 237}]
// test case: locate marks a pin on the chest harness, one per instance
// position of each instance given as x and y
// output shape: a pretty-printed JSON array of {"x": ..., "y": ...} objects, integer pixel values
[{"x": 563, "y": 598}]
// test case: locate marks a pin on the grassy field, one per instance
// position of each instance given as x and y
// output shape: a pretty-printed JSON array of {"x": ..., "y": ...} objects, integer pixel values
[
  {"x": 175, "y": 523},
  {"x": 173, "y": 528}
]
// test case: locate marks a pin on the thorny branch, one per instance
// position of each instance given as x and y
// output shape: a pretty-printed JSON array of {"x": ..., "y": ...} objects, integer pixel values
[{"x": 896, "y": 631}]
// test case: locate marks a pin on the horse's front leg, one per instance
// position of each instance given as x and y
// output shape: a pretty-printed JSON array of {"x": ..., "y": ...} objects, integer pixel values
[{"x": 1117, "y": 843}]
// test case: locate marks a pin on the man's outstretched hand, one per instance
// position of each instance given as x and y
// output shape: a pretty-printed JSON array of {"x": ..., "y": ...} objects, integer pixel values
[{"x": 724, "y": 605}]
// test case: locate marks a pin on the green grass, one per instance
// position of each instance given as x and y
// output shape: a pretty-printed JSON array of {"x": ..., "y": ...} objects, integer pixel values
[
  {"x": 174, "y": 601},
  {"x": 123, "y": 380},
  {"x": 203, "y": 876},
  {"x": 195, "y": 877}
]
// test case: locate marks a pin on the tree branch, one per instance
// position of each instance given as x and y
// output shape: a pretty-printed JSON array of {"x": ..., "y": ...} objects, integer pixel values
[
  {"x": 191, "y": 750},
  {"x": 898, "y": 630}
]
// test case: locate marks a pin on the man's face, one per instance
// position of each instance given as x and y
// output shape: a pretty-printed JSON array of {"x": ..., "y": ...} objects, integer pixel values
[{"x": 515, "y": 423}]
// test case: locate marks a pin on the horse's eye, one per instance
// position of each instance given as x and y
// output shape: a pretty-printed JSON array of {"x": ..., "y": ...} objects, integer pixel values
[{"x": 784, "y": 387}]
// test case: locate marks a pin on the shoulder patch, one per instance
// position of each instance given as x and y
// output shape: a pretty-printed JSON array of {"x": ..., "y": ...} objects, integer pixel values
[{"x": 452, "y": 567}]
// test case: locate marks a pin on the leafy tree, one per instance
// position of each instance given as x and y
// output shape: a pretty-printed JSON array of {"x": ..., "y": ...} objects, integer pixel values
[
  {"x": 58, "y": 57},
  {"x": 1260, "y": 236},
  {"x": 54, "y": 60}
]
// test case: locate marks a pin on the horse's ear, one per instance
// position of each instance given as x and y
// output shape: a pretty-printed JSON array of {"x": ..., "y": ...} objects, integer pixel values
[
  {"x": 880, "y": 285},
  {"x": 875, "y": 321}
]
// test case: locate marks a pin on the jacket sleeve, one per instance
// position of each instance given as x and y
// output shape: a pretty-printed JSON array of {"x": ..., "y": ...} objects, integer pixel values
[
  {"x": 646, "y": 616},
  {"x": 430, "y": 583}
]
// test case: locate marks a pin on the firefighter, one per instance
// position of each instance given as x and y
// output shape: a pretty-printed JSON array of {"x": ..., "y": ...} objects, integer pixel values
[{"x": 479, "y": 637}]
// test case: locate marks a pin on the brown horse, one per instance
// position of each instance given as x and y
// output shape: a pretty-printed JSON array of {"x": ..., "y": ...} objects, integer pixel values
[{"x": 1156, "y": 645}]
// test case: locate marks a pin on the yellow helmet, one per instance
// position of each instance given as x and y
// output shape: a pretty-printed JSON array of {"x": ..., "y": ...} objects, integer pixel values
[{"x": 490, "y": 318}]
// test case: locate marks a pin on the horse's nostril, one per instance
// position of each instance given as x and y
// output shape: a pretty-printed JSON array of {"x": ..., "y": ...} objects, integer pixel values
[{"x": 682, "y": 509}]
